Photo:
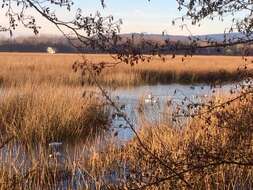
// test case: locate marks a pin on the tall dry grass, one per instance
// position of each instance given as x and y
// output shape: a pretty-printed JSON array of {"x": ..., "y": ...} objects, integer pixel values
[
  {"x": 40, "y": 102},
  {"x": 207, "y": 155},
  {"x": 41, "y": 99},
  {"x": 18, "y": 69},
  {"x": 36, "y": 69},
  {"x": 44, "y": 113}
]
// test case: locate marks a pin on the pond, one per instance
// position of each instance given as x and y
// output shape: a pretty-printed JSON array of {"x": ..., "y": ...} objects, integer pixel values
[{"x": 156, "y": 101}]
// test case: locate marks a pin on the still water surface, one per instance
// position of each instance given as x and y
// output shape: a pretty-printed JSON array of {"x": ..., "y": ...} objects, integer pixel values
[{"x": 161, "y": 96}]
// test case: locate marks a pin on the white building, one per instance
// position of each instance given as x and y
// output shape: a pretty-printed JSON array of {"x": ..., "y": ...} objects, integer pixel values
[{"x": 51, "y": 50}]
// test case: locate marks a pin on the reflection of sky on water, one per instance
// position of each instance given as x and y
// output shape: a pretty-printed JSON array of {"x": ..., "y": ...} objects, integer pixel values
[{"x": 154, "y": 112}]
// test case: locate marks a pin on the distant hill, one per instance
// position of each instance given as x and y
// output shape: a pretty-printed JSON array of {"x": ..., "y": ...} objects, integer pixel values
[
  {"x": 156, "y": 37},
  {"x": 182, "y": 38}
]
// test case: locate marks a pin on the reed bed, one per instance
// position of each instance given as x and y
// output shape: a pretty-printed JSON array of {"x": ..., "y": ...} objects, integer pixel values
[
  {"x": 207, "y": 155},
  {"x": 217, "y": 155},
  {"x": 40, "y": 114},
  {"x": 41, "y": 102},
  {"x": 20, "y": 68}
]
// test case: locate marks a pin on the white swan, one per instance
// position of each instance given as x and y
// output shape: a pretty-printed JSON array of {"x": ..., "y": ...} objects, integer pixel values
[{"x": 151, "y": 99}]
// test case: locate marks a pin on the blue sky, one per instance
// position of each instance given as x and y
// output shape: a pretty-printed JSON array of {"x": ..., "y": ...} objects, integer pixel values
[
  {"x": 139, "y": 16},
  {"x": 152, "y": 17}
]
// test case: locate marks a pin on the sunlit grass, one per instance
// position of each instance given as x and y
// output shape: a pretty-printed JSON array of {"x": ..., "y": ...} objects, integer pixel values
[
  {"x": 215, "y": 155},
  {"x": 41, "y": 102},
  {"x": 18, "y": 69},
  {"x": 44, "y": 113}
]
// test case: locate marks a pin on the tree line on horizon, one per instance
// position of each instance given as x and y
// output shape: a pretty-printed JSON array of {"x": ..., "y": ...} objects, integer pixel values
[{"x": 61, "y": 45}]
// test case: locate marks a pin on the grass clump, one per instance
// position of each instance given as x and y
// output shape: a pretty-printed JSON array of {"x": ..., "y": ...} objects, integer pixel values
[{"x": 47, "y": 114}]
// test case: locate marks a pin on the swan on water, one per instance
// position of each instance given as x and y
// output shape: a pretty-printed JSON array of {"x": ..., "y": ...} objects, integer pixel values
[{"x": 151, "y": 99}]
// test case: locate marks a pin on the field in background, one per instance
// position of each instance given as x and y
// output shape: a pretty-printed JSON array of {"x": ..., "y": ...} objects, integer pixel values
[{"x": 28, "y": 68}]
